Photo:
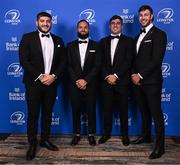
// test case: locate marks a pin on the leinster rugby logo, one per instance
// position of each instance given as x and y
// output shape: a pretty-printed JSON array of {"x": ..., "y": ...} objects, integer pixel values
[
  {"x": 165, "y": 15},
  {"x": 166, "y": 70},
  {"x": 165, "y": 118},
  {"x": 17, "y": 118},
  {"x": 14, "y": 70},
  {"x": 88, "y": 15},
  {"x": 12, "y": 17}
]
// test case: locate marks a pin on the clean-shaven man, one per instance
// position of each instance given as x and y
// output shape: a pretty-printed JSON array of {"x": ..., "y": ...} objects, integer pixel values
[{"x": 116, "y": 58}]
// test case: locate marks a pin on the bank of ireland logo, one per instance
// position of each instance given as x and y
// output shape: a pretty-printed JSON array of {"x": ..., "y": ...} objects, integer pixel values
[
  {"x": 14, "y": 70},
  {"x": 165, "y": 16},
  {"x": 127, "y": 17},
  {"x": 165, "y": 96},
  {"x": 170, "y": 46},
  {"x": 165, "y": 70},
  {"x": 12, "y": 17},
  {"x": 54, "y": 17},
  {"x": 55, "y": 119},
  {"x": 12, "y": 45},
  {"x": 17, "y": 118},
  {"x": 88, "y": 15}
]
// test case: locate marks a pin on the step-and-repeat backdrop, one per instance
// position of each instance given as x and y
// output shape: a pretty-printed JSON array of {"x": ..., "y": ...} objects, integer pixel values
[{"x": 18, "y": 17}]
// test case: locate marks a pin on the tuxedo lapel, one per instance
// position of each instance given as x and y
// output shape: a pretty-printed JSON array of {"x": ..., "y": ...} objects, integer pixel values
[
  {"x": 55, "y": 48},
  {"x": 108, "y": 49},
  {"x": 38, "y": 42},
  {"x": 87, "y": 51},
  {"x": 117, "y": 49},
  {"x": 146, "y": 36},
  {"x": 77, "y": 53}
]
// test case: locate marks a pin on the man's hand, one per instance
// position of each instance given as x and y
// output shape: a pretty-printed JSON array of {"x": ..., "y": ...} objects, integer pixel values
[
  {"x": 111, "y": 79},
  {"x": 81, "y": 84},
  {"x": 47, "y": 79},
  {"x": 135, "y": 79}
]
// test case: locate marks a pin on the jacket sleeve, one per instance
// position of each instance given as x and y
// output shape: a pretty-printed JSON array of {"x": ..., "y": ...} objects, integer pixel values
[
  {"x": 158, "y": 51},
  {"x": 24, "y": 57}
]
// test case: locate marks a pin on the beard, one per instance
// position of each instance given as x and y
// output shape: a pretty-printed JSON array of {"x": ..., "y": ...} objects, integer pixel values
[
  {"x": 83, "y": 36},
  {"x": 41, "y": 30}
]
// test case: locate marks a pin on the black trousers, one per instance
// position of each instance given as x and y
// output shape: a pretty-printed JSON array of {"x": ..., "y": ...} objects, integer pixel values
[
  {"x": 40, "y": 98},
  {"x": 149, "y": 99},
  {"x": 110, "y": 96},
  {"x": 83, "y": 100}
]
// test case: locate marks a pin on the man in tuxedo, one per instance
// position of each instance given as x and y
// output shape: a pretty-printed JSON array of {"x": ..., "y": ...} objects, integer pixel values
[
  {"x": 116, "y": 51},
  {"x": 147, "y": 79},
  {"x": 41, "y": 56},
  {"x": 83, "y": 67}
]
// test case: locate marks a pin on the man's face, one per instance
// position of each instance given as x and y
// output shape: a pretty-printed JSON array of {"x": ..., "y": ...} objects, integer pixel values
[
  {"x": 145, "y": 18},
  {"x": 83, "y": 30},
  {"x": 116, "y": 26},
  {"x": 44, "y": 24}
]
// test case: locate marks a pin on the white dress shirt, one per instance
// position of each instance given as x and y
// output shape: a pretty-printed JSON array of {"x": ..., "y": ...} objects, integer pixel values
[
  {"x": 142, "y": 35},
  {"x": 47, "y": 45},
  {"x": 114, "y": 43},
  {"x": 82, "y": 51}
]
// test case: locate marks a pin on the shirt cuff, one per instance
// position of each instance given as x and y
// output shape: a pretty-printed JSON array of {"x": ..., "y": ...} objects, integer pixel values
[
  {"x": 140, "y": 76},
  {"x": 116, "y": 75},
  {"x": 38, "y": 77},
  {"x": 55, "y": 77}
]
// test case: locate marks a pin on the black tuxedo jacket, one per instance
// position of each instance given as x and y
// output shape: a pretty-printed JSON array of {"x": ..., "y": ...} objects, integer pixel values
[
  {"x": 148, "y": 61},
  {"x": 91, "y": 64},
  {"x": 122, "y": 59},
  {"x": 31, "y": 57}
]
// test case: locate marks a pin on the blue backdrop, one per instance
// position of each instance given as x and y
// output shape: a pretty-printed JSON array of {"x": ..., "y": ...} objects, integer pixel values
[{"x": 18, "y": 17}]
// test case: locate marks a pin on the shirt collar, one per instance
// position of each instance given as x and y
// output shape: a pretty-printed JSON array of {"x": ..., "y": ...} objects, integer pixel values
[
  {"x": 87, "y": 39},
  {"x": 116, "y": 34},
  {"x": 147, "y": 28}
]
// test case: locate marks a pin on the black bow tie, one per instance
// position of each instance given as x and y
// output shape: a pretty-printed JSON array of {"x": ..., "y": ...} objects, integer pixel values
[
  {"x": 80, "y": 42},
  {"x": 142, "y": 30},
  {"x": 45, "y": 35},
  {"x": 113, "y": 37}
]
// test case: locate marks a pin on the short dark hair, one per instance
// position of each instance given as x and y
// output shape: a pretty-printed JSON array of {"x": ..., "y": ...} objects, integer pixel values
[
  {"x": 43, "y": 14},
  {"x": 82, "y": 20},
  {"x": 116, "y": 17},
  {"x": 145, "y": 7}
]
